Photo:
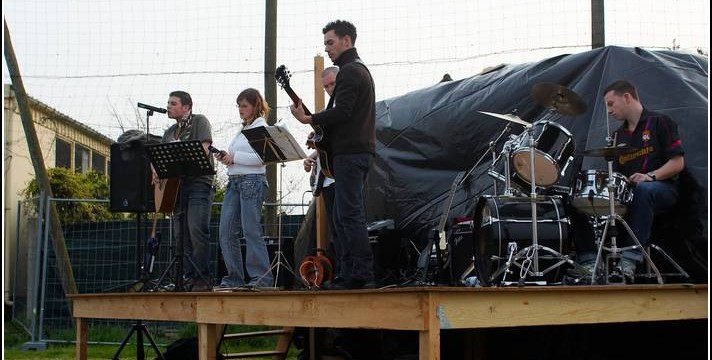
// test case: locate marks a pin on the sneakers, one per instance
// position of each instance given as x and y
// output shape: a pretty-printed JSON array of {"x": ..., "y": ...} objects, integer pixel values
[{"x": 628, "y": 269}]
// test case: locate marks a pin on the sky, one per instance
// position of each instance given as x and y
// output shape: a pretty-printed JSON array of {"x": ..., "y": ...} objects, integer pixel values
[{"x": 93, "y": 60}]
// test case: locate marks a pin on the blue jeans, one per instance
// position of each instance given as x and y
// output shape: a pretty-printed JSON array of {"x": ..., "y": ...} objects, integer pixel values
[
  {"x": 192, "y": 226},
  {"x": 241, "y": 213},
  {"x": 352, "y": 246},
  {"x": 649, "y": 198}
]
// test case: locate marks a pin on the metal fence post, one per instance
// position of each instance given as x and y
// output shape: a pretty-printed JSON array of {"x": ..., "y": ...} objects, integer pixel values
[{"x": 36, "y": 343}]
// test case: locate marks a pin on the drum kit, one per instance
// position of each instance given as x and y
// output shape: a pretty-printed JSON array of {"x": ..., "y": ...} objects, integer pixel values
[{"x": 528, "y": 232}]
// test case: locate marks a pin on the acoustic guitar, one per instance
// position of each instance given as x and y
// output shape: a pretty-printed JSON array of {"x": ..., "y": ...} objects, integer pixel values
[
  {"x": 165, "y": 193},
  {"x": 317, "y": 140}
]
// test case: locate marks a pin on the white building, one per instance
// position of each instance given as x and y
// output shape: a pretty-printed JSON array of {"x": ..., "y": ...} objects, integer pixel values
[{"x": 64, "y": 142}]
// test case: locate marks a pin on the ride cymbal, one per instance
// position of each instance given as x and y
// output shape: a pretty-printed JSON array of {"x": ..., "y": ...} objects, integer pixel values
[{"x": 559, "y": 98}]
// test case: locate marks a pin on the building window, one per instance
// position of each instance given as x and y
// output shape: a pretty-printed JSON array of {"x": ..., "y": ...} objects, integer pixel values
[
  {"x": 98, "y": 162},
  {"x": 81, "y": 159},
  {"x": 62, "y": 154}
]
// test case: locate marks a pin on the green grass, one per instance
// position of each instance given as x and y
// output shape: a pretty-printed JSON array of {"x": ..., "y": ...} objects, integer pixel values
[{"x": 15, "y": 336}]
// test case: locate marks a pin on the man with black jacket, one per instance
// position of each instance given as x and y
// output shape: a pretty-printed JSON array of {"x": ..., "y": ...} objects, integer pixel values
[{"x": 349, "y": 122}]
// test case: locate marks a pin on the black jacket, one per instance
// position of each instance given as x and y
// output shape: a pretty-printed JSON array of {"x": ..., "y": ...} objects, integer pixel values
[{"x": 349, "y": 121}]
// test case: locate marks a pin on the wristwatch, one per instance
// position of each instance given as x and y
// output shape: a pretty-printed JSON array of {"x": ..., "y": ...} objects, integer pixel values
[{"x": 652, "y": 175}]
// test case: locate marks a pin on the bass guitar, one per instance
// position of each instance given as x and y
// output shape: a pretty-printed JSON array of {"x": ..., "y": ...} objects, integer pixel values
[{"x": 318, "y": 139}]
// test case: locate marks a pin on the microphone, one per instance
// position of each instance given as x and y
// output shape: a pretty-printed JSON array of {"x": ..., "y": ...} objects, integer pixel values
[
  {"x": 215, "y": 150},
  {"x": 152, "y": 108}
]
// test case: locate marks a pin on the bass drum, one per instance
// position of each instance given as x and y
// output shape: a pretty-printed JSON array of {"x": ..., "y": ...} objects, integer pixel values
[{"x": 500, "y": 220}]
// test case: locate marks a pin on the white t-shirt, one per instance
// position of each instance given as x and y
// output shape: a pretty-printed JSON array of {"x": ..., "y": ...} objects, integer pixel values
[{"x": 246, "y": 161}]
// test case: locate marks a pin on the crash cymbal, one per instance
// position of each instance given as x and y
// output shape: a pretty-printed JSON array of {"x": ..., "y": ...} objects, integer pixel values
[
  {"x": 508, "y": 117},
  {"x": 559, "y": 98},
  {"x": 609, "y": 151}
]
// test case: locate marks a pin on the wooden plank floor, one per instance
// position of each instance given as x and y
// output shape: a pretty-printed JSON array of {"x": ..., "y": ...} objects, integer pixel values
[{"x": 423, "y": 309}]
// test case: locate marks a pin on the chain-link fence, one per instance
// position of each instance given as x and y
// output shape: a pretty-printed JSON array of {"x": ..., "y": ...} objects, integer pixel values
[{"x": 106, "y": 256}]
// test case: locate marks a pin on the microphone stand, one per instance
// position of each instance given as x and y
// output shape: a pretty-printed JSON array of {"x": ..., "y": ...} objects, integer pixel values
[{"x": 149, "y": 113}]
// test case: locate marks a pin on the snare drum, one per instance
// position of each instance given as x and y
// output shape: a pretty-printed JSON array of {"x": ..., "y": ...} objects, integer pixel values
[{"x": 590, "y": 193}]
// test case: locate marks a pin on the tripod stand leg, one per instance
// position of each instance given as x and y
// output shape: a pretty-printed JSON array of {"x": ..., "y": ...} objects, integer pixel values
[
  {"x": 642, "y": 250},
  {"x": 672, "y": 261},
  {"x": 153, "y": 343},
  {"x": 599, "y": 251},
  {"x": 165, "y": 273},
  {"x": 140, "y": 329},
  {"x": 179, "y": 284},
  {"x": 123, "y": 343}
]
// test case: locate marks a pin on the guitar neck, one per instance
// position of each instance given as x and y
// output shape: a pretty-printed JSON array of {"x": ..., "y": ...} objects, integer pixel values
[
  {"x": 155, "y": 221},
  {"x": 296, "y": 99}
]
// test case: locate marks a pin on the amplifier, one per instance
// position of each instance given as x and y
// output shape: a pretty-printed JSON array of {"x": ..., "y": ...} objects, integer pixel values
[{"x": 460, "y": 250}]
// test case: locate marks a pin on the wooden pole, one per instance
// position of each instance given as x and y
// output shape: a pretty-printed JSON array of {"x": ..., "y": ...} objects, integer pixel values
[
  {"x": 270, "y": 65},
  {"x": 318, "y": 88},
  {"x": 322, "y": 223}
]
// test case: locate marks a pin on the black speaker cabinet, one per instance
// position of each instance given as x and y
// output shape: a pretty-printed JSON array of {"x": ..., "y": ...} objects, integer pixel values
[{"x": 130, "y": 189}]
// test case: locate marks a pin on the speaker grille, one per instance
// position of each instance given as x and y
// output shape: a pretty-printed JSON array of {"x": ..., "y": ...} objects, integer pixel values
[{"x": 130, "y": 175}]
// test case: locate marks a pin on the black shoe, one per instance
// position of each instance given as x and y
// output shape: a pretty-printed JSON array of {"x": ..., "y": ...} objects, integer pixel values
[
  {"x": 201, "y": 286},
  {"x": 338, "y": 283},
  {"x": 353, "y": 285}
]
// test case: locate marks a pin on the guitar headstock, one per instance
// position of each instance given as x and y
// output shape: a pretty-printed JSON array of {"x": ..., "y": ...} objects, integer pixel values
[{"x": 282, "y": 75}]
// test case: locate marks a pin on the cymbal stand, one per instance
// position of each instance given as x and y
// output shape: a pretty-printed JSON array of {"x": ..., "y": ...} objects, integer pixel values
[
  {"x": 615, "y": 252},
  {"x": 530, "y": 264},
  {"x": 506, "y": 152}
]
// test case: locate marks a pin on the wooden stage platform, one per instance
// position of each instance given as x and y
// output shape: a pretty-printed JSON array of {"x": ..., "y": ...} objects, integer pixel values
[{"x": 426, "y": 310}]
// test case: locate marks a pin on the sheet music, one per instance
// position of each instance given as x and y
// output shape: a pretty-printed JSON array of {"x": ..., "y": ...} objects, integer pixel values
[{"x": 274, "y": 144}]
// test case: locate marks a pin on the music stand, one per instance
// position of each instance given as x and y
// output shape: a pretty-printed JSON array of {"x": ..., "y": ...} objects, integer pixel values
[
  {"x": 275, "y": 144},
  {"x": 178, "y": 159}
]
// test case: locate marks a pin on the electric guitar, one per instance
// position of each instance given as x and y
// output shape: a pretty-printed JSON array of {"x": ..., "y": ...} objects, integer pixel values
[{"x": 316, "y": 141}]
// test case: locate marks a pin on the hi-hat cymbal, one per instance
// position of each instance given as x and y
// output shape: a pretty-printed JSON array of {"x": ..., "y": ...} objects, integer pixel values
[
  {"x": 508, "y": 117},
  {"x": 609, "y": 151},
  {"x": 559, "y": 98}
]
